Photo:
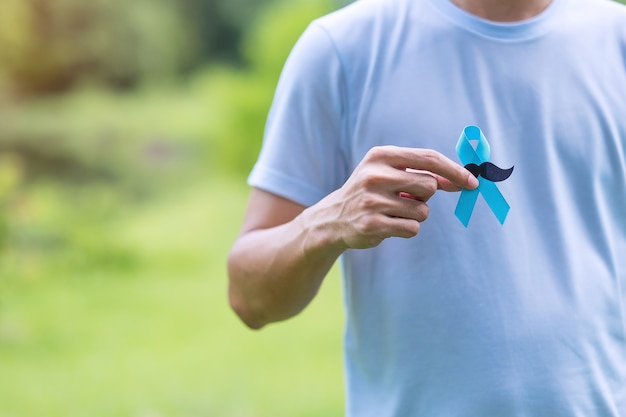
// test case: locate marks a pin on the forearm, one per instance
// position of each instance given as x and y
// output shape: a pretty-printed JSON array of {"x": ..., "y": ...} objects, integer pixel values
[{"x": 274, "y": 273}]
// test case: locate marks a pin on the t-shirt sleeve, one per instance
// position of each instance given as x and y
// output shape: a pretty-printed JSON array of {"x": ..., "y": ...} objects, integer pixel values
[{"x": 302, "y": 157}]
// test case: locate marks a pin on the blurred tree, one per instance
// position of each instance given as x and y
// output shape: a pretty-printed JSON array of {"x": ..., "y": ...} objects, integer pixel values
[
  {"x": 245, "y": 96},
  {"x": 218, "y": 25},
  {"x": 48, "y": 46}
]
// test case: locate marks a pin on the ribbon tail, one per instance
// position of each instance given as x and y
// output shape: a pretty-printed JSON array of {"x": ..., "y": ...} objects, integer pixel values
[
  {"x": 494, "y": 198},
  {"x": 465, "y": 205}
]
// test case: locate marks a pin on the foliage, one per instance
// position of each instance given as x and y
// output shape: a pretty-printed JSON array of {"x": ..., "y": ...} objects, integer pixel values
[
  {"x": 219, "y": 25},
  {"x": 246, "y": 95},
  {"x": 74, "y": 161},
  {"x": 115, "y": 221},
  {"x": 48, "y": 46},
  {"x": 71, "y": 165}
]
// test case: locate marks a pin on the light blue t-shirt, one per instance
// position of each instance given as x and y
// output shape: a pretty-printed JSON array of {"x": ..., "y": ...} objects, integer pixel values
[{"x": 525, "y": 319}]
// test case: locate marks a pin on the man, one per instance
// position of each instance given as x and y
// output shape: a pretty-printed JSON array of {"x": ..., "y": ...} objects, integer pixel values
[{"x": 525, "y": 316}]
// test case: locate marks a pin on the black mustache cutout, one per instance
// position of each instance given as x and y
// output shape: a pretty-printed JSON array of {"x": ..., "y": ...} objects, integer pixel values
[{"x": 489, "y": 171}]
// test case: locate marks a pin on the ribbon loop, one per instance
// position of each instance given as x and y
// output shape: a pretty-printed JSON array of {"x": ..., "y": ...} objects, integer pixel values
[{"x": 470, "y": 155}]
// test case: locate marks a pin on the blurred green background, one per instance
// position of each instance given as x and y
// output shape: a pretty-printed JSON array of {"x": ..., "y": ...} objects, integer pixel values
[{"x": 127, "y": 130}]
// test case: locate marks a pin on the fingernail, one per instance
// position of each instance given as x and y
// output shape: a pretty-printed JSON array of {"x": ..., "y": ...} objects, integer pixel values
[{"x": 473, "y": 181}]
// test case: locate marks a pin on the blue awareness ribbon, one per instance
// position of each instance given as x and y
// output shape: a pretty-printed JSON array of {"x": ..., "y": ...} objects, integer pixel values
[{"x": 470, "y": 155}]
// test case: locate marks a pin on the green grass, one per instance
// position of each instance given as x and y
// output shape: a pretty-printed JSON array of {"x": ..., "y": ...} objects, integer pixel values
[{"x": 159, "y": 339}]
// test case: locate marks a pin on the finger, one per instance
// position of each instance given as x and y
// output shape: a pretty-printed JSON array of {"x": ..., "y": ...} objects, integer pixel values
[
  {"x": 444, "y": 168},
  {"x": 421, "y": 186},
  {"x": 445, "y": 184},
  {"x": 408, "y": 207},
  {"x": 400, "y": 227},
  {"x": 442, "y": 183},
  {"x": 428, "y": 160}
]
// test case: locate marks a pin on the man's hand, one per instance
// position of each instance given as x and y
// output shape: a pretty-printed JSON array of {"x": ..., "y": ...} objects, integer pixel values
[{"x": 387, "y": 195}]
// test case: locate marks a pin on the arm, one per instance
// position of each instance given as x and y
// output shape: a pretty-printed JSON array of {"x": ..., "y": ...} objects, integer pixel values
[
  {"x": 285, "y": 250},
  {"x": 276, "y": 266}
]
